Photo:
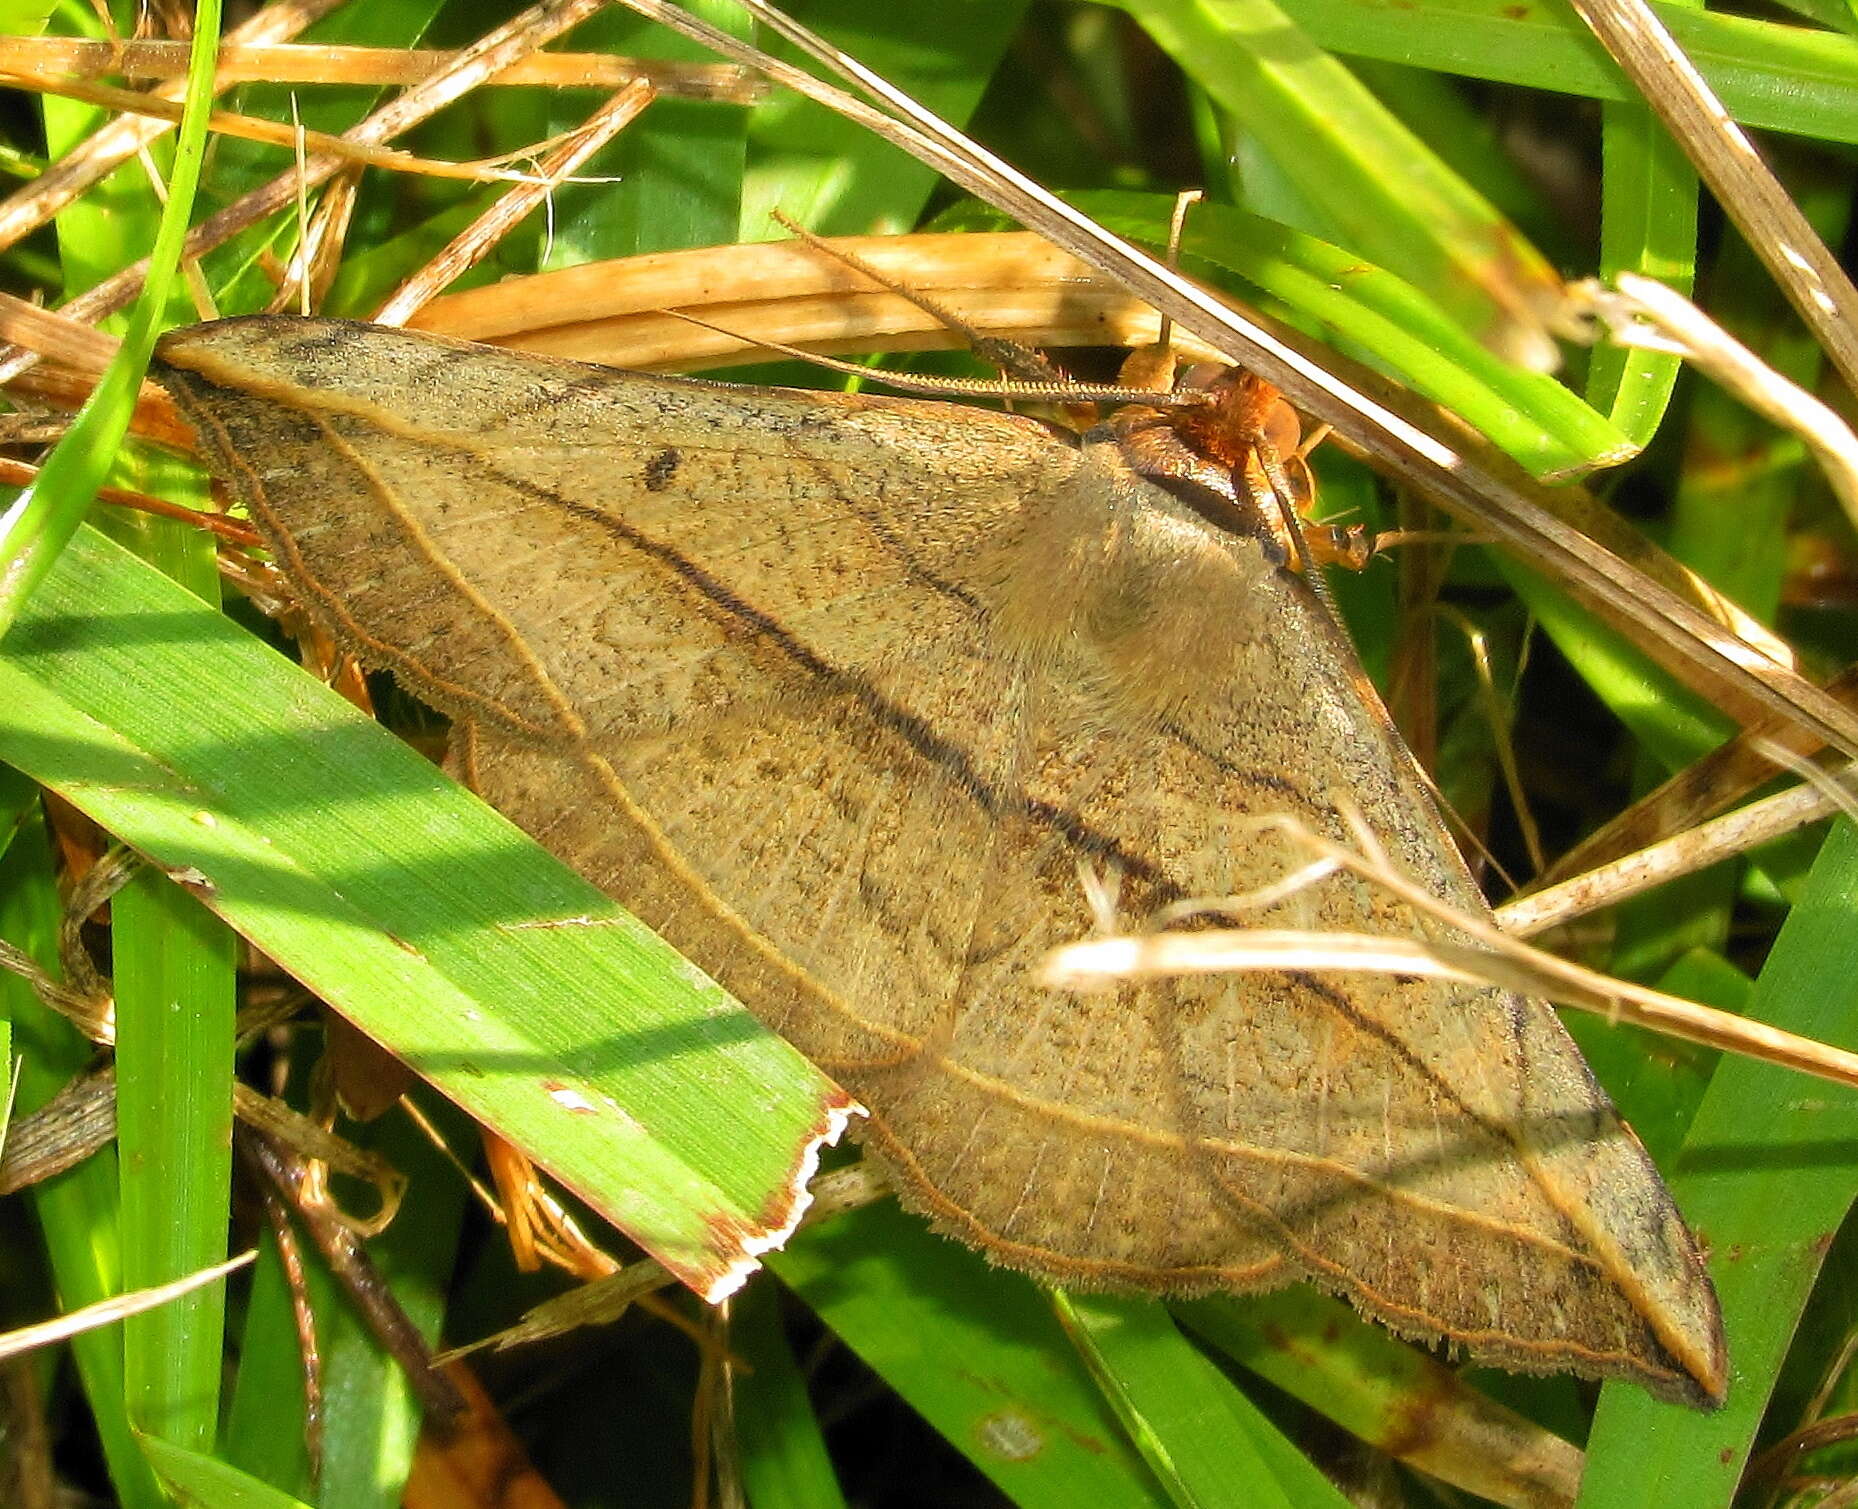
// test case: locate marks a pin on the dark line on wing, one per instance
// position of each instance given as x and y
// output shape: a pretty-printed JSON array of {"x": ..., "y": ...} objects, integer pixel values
[
  {"x": 1340, "y": 1004},
  {"x": 912, "y": 730},
  {"x": 883, "y": 531},
  {"x": 1282, "y": 785}
]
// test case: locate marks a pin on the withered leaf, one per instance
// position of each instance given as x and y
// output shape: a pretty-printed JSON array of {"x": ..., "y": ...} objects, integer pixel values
[{"x": 840, "y": 694}]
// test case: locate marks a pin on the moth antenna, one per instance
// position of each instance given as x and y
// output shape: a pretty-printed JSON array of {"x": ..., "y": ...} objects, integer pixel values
[
  {"x": 1010, "y": 357},
  {"x": 1064, "y": 391}
]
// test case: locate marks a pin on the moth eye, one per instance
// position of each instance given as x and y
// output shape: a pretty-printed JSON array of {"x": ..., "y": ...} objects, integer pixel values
[
  {"x": 1227, "y": 511},
  {"x": 1201, "y": 376}
]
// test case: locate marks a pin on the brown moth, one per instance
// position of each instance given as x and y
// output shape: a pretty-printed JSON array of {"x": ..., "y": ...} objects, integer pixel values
[{"x": 843, "y": 694}]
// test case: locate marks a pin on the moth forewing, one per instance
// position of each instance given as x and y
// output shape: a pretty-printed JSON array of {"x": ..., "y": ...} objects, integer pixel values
[{"x": 838, "y": 694}]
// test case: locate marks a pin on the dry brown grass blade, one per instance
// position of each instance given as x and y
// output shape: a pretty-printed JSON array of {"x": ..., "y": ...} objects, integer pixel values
[
  {"x": 1719, "y": 778},
  {"x": 304, "y": 63},
  {"x": 61, "y": 1133},
  {"x": 1402, "y": 436},
  {"x": 1646, "y": 313},
  {"x": 475, "y": 242},
  {"x": 1099, "y": 961},
  {"x": 483, "y": 59},
  {"x": 328, "y": 1153},
  {"x": 71, "y": 343},
  {"x": 75, "y": 356},
  {"x": 109, "y": 1311},
  {"x": 19, "y": 474},
  {"x": 1654, "y": 840},
  {"x": 312, "y": 268},
  {"x": 1490, "y": 956},
  {"x": 1808, "y": 273},
  {"x": 1010, "y": 283},
  {"x": 253, "y": 128},
  {"x": 35, "y": 203},
  {"x": 1683, "y": 854}
]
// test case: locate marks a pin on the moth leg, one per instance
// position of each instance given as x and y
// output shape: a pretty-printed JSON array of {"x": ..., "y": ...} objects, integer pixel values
[
  {"x": 1344, "y": 545},
  {"x": 1277, "y": 474},
  {"x": 1156, "y": 366}
]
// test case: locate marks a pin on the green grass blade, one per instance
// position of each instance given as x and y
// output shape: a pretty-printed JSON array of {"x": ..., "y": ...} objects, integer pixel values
[
  {"x": 197, "y": 1478},
  {"x": 838, "y": 178},
  {"x": 1386, "y": 194},
  {"x": 1767, "y": 1175},
  {"x": 1472, "y": 144},
  {"x": 26, "y": 18},
  {"x": 682, "y": 161},
  {"x": 174, "y": 968},
  {"x": 1785, "y": 78},
  {"x": 43, "y": 518},
  {"x": 1648, "y": 225},
  {"x": 1656, "y": 1081},
  {"x": 976, "y": 1351},
  {"x": 429, "y": 921},
  {"x": 174, "y": 974},
  {"x": 1204, "y": 1440},
  {"x": 783, "y": 1455},
  {"x": 264, "y": 1432},
  {"x": 1319, "y": 1351},
  {"x": 77, "y": 1211},
  {"x": 1674, "y": 724}
]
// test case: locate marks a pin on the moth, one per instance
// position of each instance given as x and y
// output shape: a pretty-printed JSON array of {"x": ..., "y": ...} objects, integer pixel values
[{"x": 843, "y": 695}]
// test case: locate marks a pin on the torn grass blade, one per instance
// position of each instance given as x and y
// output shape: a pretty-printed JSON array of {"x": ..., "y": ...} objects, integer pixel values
[{"x": 519, "y": 990}]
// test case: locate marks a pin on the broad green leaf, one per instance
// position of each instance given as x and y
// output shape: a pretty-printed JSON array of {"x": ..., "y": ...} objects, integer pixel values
[{"x": 429, "y": 921}]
